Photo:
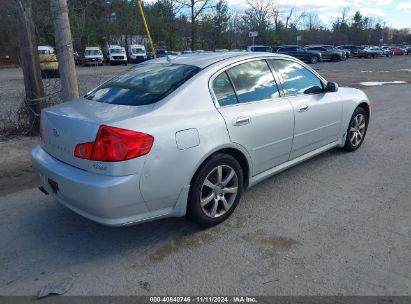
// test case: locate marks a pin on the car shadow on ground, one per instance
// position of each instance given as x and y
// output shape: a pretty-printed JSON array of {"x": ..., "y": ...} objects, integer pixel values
[{"x": 52, "y": 232}]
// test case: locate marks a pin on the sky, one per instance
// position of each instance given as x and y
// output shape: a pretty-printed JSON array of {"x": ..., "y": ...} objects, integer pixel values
[{"x": 395, "y": 13}]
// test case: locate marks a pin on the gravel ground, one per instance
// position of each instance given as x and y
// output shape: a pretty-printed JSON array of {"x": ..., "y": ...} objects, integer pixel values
[{"x": 339, "y": 224}]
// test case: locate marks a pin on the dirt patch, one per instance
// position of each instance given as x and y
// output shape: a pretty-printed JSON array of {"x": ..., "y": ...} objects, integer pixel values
[
  {"x": 16, "y": 172},
  {"x": 270, "y": 241},
  {"x": 269, "y": 245}
]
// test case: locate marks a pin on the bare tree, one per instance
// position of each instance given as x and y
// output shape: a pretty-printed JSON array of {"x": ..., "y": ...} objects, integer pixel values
[
  {"x": 30, "y": 62},
  {"x": 275, "y": 14},
  {"x": 311, "y": 20},
  {"x": 197, "y": 7},
  {"x": 288, "y": 17},
  {"x": 258, "y": 13}
]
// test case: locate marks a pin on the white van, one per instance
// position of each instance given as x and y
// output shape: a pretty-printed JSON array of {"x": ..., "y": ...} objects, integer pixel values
[
  {"x": 136, "y": 53},
  {"x": 92, "y": 56},
  {"x": 116, "y": 54}
]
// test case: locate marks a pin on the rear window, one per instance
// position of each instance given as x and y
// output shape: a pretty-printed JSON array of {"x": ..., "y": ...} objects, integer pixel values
[{"x": 143, "y": 84}]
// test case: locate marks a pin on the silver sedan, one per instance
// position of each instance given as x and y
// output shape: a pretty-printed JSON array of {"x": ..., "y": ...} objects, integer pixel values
[{"x": 187, "y": 135}]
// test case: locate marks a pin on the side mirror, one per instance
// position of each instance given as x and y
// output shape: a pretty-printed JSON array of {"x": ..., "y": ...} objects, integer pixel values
[{"x": 332, "y": 87}]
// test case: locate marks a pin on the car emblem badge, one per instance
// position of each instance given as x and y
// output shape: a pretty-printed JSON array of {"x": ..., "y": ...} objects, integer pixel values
[{"x": 55, "y": 132}]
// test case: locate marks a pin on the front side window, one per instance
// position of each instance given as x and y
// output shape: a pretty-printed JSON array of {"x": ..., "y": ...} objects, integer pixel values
[
  {"x": 223, "y": 90},
  {"x": 253, "y": 81},
  {"x": 144, "y": 84},
  {"x": 297, "y": 79}
]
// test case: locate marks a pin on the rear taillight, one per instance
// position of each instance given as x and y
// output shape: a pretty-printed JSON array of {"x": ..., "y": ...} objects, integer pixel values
[{"x": 115, "y": 144}]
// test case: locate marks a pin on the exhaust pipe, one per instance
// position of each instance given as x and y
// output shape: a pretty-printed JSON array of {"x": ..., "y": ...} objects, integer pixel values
[{"x": 43, "y": 190}]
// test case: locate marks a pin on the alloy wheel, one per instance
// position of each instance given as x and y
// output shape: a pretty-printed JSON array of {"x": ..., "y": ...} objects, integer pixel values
[
  {"x": 219, "y": 191},
  {"x": 357, "y": 129}
]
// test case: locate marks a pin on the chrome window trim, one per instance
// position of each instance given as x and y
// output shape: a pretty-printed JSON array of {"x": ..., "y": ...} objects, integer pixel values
[
  {"x": 225, "y": 68},
  {"x": 278, "y": 79}
]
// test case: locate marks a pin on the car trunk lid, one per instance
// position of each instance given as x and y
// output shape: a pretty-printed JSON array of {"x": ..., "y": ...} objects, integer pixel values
[{"x": 68, "y": 124}]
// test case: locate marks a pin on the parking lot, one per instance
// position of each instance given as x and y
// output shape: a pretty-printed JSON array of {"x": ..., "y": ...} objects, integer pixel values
[{"x": 339, "y": 224}]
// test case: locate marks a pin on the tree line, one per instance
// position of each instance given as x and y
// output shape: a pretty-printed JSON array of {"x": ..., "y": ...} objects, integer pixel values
[{"x": 197, "y": 24}]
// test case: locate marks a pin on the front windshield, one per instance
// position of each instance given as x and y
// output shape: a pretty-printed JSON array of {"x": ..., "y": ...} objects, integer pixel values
[
  {"x": 144, "y": 84},
  {"x": 117, "y": 51},
  {"x": 92, "y": 52},
  {"x": 137, "y": 51}
]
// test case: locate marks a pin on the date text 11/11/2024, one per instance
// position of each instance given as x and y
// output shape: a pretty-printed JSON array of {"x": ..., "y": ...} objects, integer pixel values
[{"x": 203, "y": 299}]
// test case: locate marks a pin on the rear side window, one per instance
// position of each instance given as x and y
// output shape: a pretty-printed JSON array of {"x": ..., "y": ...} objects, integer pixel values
[
  {"x": 144, "y": 84},
  {"x": 223, "y": 90},
  {"x": 297, "y": 79},
  {"x": 253, "y": 81}
]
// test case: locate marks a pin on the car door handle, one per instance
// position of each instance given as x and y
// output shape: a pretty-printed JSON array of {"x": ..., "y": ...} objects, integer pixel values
[
  {"x": 303, "y": 108},
  {"x": 240, "y": 121}
]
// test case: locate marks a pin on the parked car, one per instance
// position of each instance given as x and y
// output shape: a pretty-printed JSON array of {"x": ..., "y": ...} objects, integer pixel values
[
  {"x": 300, "y": 53},
  {"x": 328, "y": 53},
  {"x": 136, "y": 53},
  {"x": 274, "y": 49},
  {"x": 162, "y": 53},
  {"x": 397, "y": 51},
  {"x": 116, "y": 54},
  {"x": 174, "y": 53},
  {"x": 92, "y": 56},
  {"x": 381, "y": 51},
  {"x": 259, "y": 48},
  {"x": 352, "y": 48},
  {"x": 49, "y": 65},
  {"x": 107, "y": 157},
  {"x": 368, "y": 53},
  {"x": 347, "y": 51}
]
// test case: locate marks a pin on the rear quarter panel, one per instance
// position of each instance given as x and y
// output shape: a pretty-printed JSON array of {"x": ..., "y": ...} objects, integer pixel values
[{"x": 168, "y": 168}]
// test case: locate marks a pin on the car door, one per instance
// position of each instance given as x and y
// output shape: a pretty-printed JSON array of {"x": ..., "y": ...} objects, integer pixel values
[
  {"x": 297, "y": 53},
  {"x": 324, "y": 53},
  {"x": 255, "y": 115},
  {"x": 317, "y": 113}
]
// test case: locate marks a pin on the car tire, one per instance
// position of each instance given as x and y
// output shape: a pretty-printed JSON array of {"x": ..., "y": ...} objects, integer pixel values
[
  {"x": 215, "y": 190},
  {"x": 314, "y": 59},
  {"x": 356, "y": 130}
]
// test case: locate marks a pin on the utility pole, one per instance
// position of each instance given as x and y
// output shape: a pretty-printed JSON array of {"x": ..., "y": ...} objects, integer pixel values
[
  {"x": 64, "y": 48},
  {"x": 143, "y": 17},
  {"x": 30, "y": 63}
]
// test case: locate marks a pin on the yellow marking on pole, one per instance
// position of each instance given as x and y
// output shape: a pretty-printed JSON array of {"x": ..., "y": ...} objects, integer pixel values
[{"x": 146, "y": 27}]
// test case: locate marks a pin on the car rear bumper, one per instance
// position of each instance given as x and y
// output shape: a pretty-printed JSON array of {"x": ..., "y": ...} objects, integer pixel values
[{"x": 108, "y": 200}]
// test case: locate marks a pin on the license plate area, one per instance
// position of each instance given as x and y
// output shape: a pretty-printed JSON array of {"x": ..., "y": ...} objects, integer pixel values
[{"x": 53, "y": 185}]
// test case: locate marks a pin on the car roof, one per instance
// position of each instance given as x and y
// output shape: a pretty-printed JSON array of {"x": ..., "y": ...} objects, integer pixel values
[{"x": 203, "y": 60}]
